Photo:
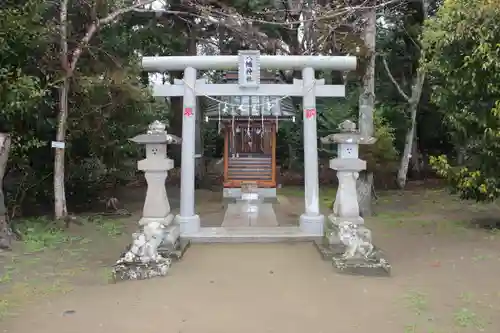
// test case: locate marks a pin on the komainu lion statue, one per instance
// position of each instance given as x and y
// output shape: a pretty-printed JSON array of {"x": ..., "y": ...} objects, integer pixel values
[{"x": 357, "y": 240}]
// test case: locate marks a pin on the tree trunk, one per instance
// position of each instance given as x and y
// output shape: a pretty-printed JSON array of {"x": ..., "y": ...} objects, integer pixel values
[
  {"x": 310, "y": 34},
  {"x": 199, "y": 149},
  {"x": 460, "y": 155},
  {"x": 367, "y": 97},
  {"x": 291, "y": 156},
  {"x": 366, "y": 107},
  {"x": 416, "y": 156},
  {"x": 405, "y": 158},
  {"x": 175, "y": 122},
  {"x": 5, "y": 236},
  {"x": 413, "y": 101},
  {"x": 364, "y": 187},
  {"x": 60, "y": 209}
]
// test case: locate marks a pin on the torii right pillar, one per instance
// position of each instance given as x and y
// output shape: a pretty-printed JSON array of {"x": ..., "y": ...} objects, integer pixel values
[
  {"x": 312, "y": 221},
  {"x": 348, "y": 240}
]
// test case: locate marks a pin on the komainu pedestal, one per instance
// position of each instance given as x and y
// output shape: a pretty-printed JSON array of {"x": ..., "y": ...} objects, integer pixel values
[
  {"x": 357, "y": 254},
  {"x": 143, "y": 260}
]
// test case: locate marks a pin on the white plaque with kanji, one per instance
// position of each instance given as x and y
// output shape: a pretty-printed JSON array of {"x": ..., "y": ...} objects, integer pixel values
[{"x": 249, "y": 68}]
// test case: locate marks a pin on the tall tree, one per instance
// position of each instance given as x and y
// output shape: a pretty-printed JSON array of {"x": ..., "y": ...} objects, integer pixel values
[
  {"x": 367, "y": 101},
  {"x": 22, "y": 35},
  {"x": 5, "y": 238},
  {"x": 413, "y": 29},
  {"x": 69, "y": 60},
  {"x": 462, "y": 57}
]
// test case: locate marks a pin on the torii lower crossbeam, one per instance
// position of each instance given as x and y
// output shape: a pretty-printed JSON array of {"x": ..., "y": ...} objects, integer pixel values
[{"x": 296, "y": 89}]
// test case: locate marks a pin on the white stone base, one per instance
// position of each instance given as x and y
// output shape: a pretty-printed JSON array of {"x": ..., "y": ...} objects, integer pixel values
[
  {"x": 312, "y": 224},
  {"x": 251, "y": 235},
  {"x": 337, "y": 219},
  {"x": 167, "y": 220},
  {"x": 188, "y": 224},
  {"x": 235, "y": 193},
  {"x": 173, "y": 232}
]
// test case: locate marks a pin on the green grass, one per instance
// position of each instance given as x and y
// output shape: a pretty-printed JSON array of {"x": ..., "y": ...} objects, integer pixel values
[
  {"x": 417, "y": 302},
  {"x": 7, "y": 275},
  {"x": 110, "y": 227},
  {"x": 291, "y": 191},
  {"x": 41, "y": 234},
  {"x": 28, "y": 276},
  {"x": 465, "y": 318},
  {"x": 327, "y": 194},
  {"x": 4, "y": 308}
]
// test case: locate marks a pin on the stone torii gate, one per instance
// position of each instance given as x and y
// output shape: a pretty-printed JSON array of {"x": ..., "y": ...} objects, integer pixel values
[{"x": 249, "y": 64}]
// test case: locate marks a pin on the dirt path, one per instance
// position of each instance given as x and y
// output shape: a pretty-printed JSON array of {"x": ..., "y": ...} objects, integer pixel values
[
  {"x": 278, "y": 288},
  {"x": 445, "y": 280}
]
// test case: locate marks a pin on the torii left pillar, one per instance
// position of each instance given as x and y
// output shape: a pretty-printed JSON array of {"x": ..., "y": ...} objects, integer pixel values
[{"x": 187, "y": 218}]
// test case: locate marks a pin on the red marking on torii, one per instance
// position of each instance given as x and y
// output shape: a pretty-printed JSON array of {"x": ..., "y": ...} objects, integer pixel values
[{"x": 310, "y": 113}]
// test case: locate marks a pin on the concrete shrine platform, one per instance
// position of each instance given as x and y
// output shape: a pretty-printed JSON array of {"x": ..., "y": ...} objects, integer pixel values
[
  {"x": 250, "y": 235},
  {"x": 236, "y": 216},
  {"x": 239, "y": 226},
  {"x": 222, "y": 222}
]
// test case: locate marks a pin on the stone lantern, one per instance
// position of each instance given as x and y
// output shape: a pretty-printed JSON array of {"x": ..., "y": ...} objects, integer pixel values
[
  {"x": 348, "y": 165},
  {"x": 349, "y": 241},
  {"x": 155, "y": 167},
  {"x": 158, "y": 229}
]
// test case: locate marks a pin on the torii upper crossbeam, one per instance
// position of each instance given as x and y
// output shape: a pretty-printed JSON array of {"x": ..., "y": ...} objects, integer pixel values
[{"x": 228, "y": 62}]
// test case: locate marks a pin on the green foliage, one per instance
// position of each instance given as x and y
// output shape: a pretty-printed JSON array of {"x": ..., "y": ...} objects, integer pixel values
[
  {"x": 20, "y": 90},
  {"x": 331, "y": 112},
  {"x": 107, "y": 110},
  {"x": 462, "y": 47},
  {"x": 108, "y": 103},
  {"x": 381, "y": 156},
  {"x": 467, "y": 183},
  {"x": 398, "y": 38}
]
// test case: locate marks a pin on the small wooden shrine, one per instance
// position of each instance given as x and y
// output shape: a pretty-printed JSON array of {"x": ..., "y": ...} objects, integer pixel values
[{"x": 249, "y": 125}]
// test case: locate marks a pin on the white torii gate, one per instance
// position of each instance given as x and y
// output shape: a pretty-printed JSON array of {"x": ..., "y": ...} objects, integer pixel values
[{"x": 249, "y": 64}]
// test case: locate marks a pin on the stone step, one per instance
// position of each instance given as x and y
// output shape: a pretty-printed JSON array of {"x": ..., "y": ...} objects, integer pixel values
[
  {"x": 250, "y": 161},
  {"x": 249, "y": 176},
  {"x": 255, "y": 170},
  {"x": 251, "y": 235}
]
